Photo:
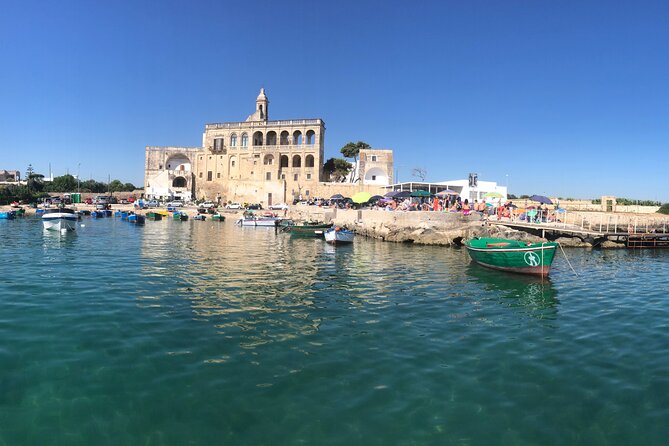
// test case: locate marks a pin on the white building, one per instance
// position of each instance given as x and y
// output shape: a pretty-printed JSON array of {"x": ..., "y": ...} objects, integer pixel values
[{"x": 477, "y": 192}]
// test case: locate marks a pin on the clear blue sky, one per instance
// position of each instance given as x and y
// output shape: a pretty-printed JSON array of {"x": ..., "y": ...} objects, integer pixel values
[{"x": 561, "y": 98}]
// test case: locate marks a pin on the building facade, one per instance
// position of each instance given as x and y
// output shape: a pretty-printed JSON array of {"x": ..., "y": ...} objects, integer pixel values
[{"x": 256, "y": 160}]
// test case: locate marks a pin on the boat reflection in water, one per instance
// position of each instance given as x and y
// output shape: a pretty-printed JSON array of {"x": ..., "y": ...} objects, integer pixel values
[{"x": 535, "y": 296}]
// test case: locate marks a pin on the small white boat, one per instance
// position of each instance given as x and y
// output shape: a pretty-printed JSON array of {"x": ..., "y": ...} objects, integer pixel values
[
  {"x": 337, "y": 235},
  {"x": 261, "y": 221},
  {"x": 59, "y": 219}
]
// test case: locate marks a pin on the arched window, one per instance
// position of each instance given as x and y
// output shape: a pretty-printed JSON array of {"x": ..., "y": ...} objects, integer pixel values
[
  {"x": 309, "y": 161},
  {"x": 284, "y": 138},
  {"x": 179, "y": 182},
  {"x": 245, "y": 140},
  {"x": 311, "y": 137},
  {"x": 257, "y": 139},
  {"x": 284, "y": 161},
  {"x": 297, "y": 138},
  {"x": 233, "y": 140},
  {"x": 269, "y": 160},
  {"x": 271, "y": 138},
  {"x": 297, "y": 161}
]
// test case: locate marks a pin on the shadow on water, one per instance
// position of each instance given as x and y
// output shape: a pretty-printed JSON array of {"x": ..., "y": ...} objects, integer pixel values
[{"x": 536, "y": 296}]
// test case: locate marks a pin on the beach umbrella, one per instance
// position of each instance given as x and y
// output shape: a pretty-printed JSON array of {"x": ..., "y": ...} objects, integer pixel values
[
  {"x": 337, "y": 197},
  {"x": 402, "y": 194},
  {"x": 421, "y": 193},
  {"x": 392, "y": 193},
  {"x": 376, "y": 198},
  {"x": 361, "y": 197},
  {"x": 541, "y": 199},
  {"x": 446, "y": 192},
  {"x": 493, "y": 195}
]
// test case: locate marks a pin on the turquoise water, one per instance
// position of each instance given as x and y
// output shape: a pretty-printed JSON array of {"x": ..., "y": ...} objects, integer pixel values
[{"x": 182, "y": 333}]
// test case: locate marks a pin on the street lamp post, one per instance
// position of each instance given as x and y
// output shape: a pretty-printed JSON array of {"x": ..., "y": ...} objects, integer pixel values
[{"x": 78, "y": 177}]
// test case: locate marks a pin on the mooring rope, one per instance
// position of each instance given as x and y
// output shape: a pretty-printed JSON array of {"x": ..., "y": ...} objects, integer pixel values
[{"x": 565, "y": 257}]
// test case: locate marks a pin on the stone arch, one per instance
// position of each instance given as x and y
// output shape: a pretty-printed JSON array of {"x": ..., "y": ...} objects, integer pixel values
[
  {"x": 257, "y": 138},
  {"x": 271, "y": 138},
  {"x": 283, "y": 161},
  {"x": 311, "y": 137},
  {"x": 268, "y": 160},
  {"x": 309, "y": 161},
  {"x": 376, "y": 175},
  {"x": 178, "y": 161},
  {"x": 297, "y": 138},
  {"x": 297, "y": 161},
  {"x": 179, "y": 182},
  {"x": 284, "y": 138}
]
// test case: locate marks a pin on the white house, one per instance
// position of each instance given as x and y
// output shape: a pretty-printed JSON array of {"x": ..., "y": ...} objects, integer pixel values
[{"x": 477, "y": 192}]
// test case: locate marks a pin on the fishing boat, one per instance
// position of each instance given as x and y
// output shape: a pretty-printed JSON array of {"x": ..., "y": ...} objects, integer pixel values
[
  {"x": 9, "y": 215},
  {"x": 336, "y": 235},
  {"x": 136, "y": 219},
  {"x": 59, "y": 219},
  {"x": 155, "y": 216},
  {"x": 308, "y": 230},
  {"x": 218, "y": 217},
  {"x": 181, "y": 216},
  {"x": 201, "y": 217},
  {"x": 259, "y": 221},
  {"x": 512, "y": 255}
]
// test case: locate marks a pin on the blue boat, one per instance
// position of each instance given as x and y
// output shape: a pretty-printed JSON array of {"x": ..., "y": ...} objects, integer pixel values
[
  {"x": 136, "y": 219},
  {"x": 118, "y": 214},
  {"x": 124, "y": 215},
  {"x": 97, "y": 214},
  {"x": 7, "y": 215},
  {"x": 107, "y": 212}
]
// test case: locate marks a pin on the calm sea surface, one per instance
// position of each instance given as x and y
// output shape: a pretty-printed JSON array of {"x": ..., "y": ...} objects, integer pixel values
[{"x": 182, "y": 333}]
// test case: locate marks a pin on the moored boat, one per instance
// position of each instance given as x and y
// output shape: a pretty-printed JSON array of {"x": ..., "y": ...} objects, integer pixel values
[
  {"x": 512, "y": 255},
  {"x": 337, "y": 235},
  {"x": 218, "y": 217},
  {"x": 156, "y": 216},
  {"x": 59, "y": 219},
  {"x": 181, "y": 216},
  {"x": 9, "y": 215},
  {"x": 136, "y": 219},
  {"x": 259, "y": 221},
  {"x": 201, "y": 217},
  {"x": 308, "y": 230}
]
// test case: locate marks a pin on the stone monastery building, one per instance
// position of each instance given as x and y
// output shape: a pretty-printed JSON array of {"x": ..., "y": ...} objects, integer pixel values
[{"x": 257, "y": 160}]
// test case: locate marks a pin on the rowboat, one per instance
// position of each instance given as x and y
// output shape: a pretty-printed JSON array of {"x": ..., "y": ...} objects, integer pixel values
[
  {"x": 218, "y": 217},
  {"x": 136, "y": 219},
  {"x": 182, "y": 216},
  {"x": 7, "y": 215},
  {"x": 512, "y": 255},
  {"x": 336, "y": 236},
  {"x": 59, "y": 219},
  {"x": 200, "y": 217},
  {"x": 308, "y": 229},
  {"x": 156, "y": 216},
  {"x": 261, "y": 221}
]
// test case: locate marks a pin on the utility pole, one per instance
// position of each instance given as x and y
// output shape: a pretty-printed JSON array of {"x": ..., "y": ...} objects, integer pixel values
[{"x": 78, "y": 177}]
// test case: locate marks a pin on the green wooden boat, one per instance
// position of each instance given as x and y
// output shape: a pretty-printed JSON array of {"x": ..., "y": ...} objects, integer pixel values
[
  {"x": 512, "y": 255},
  {"x": 218, "y": 217},
  {"x": 180, "y": 216},
  {"x": 309, "y": 230},
  {"x": 154, "y": 216}
]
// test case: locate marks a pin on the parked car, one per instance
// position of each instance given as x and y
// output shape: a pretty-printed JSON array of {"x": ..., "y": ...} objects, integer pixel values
[
  {"x": 254, "y": 206},
  {"x": 131, "y": 200},
  {"x": 153, "y": 203},
  {"x": 176, "y": 203},
  {"x": 279, "y": 207},
  {"x": 88, "y": 201},
  {"x": 233, "y": 206},
  {"x": 208, "y": 205},
  {"x": 123, "y": 201}
]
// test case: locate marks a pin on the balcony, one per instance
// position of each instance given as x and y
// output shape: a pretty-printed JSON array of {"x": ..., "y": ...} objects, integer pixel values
[{"x": 263, "y": 124}]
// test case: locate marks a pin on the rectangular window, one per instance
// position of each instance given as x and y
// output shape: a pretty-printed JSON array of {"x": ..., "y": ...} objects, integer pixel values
[
  {"x": 200, "y": 174},
  {"x": 373, "y": 157},
  {"x": 218, "y": 144},
  {"x": 308, "y": 176},
  {"x": 268, "y": 176},
  {"x": 218, "y": 175},
  {"x": 373, "y": 177},
  {"x": 296, "y": 176},
  {"x": 209, "y": 175},
  {"x": 283, "y": 176}
]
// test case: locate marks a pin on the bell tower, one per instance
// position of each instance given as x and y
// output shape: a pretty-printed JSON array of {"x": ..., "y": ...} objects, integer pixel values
[{"x": 261, "y": 106}]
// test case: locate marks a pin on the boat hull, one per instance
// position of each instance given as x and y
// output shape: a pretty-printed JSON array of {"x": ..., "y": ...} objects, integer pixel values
[
  {"x": 512, "y": 255},
  {"x": 59, "y": 222},
  {"x": 309, "y": 231},
  {"x": 337, "y": 237},
  {"x": 263, "y": 222}
]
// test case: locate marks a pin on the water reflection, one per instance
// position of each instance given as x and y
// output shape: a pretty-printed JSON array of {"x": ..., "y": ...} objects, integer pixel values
[{"x": 535, "y": 296}]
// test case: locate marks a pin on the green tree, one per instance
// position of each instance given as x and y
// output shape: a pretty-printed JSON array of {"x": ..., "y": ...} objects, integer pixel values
[
  {"x": 337, "y": 169},
  {"x": 129, "y": 187},
  {"x": 352, "y": 149},
  {"x": 664, "y": 209},
  {"x": 65, "y": 183},
  {"x": 116, "y": 186},
  {"x": 35, "y": 181}
]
